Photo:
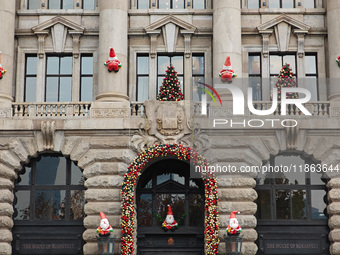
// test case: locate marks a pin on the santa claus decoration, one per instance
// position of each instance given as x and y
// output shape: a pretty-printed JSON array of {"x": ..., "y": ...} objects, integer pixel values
[
  {"x": 338, "y": 61},
  {"x": 113, "y": 63},
  {"x": 104, "y": 228},
  {"x": 169, "y": 223},
  {"x": 234, "y": 227},
  {"x": 2, "y": 70},
  {"x": 227, "y": 74}
]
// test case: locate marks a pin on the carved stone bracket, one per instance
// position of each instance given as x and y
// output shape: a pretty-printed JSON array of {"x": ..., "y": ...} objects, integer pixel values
[
  {"x": 187, "y": 41},
  {"x": 48, "y": 132},
  {"x": 153, "y": 41},
  {"x": 301, "y": 42},
  {"x": 76, "y": 44},
  {"x": 292, "y": 137},
  {"x": 265, "y": 41},
  {"x": 41, "y": 44}
]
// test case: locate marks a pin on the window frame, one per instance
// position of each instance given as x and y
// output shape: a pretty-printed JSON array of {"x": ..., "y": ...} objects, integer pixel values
[
  {"x": 28, "y": 5},
  {"x": 84, "y": 75},
  {"x": 30, "y": 75},
  {"x": 163, "y": 75},
  {"x": 281, "y": 4},
  {"x": 33, "y": 188},
  {"x": 58, "y": 75},
  {"x": 282, "y": 63},
  {"x": 171, "y": 5},
  {"x": 272, "y": 187},
  {"x": 61, "y": 5},
  {"x": 257, "y": 54},
  {"x": 314, "y": 74},
  {"x": 141, "y": 75},
  {"x": 259, "y": 5}
]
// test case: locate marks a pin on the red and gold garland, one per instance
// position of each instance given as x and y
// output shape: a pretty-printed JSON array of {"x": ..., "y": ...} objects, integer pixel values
[{"x": 128, "y": 198}]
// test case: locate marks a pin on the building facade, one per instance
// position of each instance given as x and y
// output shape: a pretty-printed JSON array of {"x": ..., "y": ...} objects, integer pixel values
[{"x": 70, "y": 129}]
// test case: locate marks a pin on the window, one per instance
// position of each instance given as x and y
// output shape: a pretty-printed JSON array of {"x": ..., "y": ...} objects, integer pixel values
[
  {"x": 33, "y": 4},
  {"x": 30, "y": 78},
  {"x": 86, "y": 78},
  {"x": 60, "y": 4},
  {"x": 281, "y": 4},
  {"x": 164, "y": 62},
  {"x": 294, "y": 195},
  {"x": 143, "y": 4},
  {"x": 88, "y": 5},
  {"x": 197, "y": 74},
  {"x": 309, "y": 3},
  {"x": 142, "y": 78},
  {"x": 253, "y": 4},
  {"x": 50, "y": 188},
  {"x": 311, "y": 82},
  {"x": 198, "y": 4},
  {"x": 254, "y": 61},
  {"x": 58, "y": 86},
  {"x": 171, "y": 4},
  {"x": 276, "y": 64}
]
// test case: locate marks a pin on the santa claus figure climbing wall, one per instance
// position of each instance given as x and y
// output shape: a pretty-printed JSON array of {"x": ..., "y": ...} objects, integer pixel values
[
  {"x": 113, "y": 63},
  {"x": 234, "y": 227},
  {"x": 104, "y": 228},
  {"x": 169, "y": 223},
  {"x": 227, "y": 74}
]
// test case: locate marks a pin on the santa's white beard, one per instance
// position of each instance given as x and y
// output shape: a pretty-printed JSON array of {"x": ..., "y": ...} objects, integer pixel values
[
  {"x": 104, "y": 225},
  {"x": 169, "y": 219}
]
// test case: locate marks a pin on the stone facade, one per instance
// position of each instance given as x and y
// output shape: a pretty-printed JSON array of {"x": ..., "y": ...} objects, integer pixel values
[{"x": 105, "y": 135}]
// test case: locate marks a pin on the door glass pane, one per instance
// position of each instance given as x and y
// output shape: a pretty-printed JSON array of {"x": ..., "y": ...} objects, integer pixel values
[
  {"x": 287, "y": 175},
  {"x": 199, "y": 4},
  {"x": 68, "y": 4},
  {"x": 49, "y": 204},
  {"x": 52, "y": 89},
  {"x": 22, "y": 206},
  {"x": 197, "y": 93},
  {"x": 299, "y": 204},
  {"x": 196, "y": 210},
  {"x": 178, "y": 4},
  {"x": 274, "y": 4},
  {"x": 86, "y": 65},
  {"x": 288, "y": 3},
  {"x": 163, "y": 63},
  {"x": 143, "y": 4},
  {"x": 65, "y": 89},
  {"x": 31, "y": 65},
  {"x": 86, "y": 89},
  {"x": 76, "y": 175},
  {"x": 52, "y": 65},
  {"x": 25, "y": 176},
  {"x": 178, "y": 178},
  {"x": 163, "y": 178},
  {"x": 30, "y": 88},
  {"x": 33, "y": 4},
  {"x": 54, "y": 4},
  {"x": 275, "y": 65},
  {"x": 318, "y": 204},
  {"x": 253, "y": 4},
  {"x": 177, "y": 63},
  {"x": 198, "y": 65},
  {"x": 255, "y": 83},
  {"x": 316, "y": 179},
  {"x": 164, "y": 4},
  {"x": 51, "y": 171},
  {"x": 143, "y": 89},
  {"x": 289, "y": 59},
  {"x": 309, "y": 3},
  {"x": 143, "y": 65},
  {"x": 145, "y": 210},
  {"x": 88, "y": 4},
  {"x": 312, "y": 86},
  {"x": 176, "y": 201},
  {"x": 77, "y": 201},
  {"x": 282, "y": 204},
  {"x": 66, "y": 65},
  {"x": 263, "y": 205}
]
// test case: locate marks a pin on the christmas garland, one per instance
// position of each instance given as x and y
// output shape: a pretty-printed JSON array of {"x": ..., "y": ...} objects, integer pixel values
[{"x": 128, "y": 199}]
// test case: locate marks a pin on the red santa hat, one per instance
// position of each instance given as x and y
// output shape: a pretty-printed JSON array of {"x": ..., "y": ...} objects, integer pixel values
[
  {"x": 232, "y": 214},
  {"x": 112, "y": 53},
  {"x": 227, "y": 64},
  {"x": 102, "y": 216},
  {"x": 169, "y": 210}
]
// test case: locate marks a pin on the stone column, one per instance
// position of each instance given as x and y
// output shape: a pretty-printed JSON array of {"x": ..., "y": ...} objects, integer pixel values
[
  {"x": 113, "y": 30},
  {"x": 227, "y": 35},
  {"x": 7, "y": 21},
  {"x": 333, "y": 13}
]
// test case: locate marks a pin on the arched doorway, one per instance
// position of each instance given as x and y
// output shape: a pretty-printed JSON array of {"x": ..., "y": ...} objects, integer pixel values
[
  {"x": 292, "y": 201},
  {"x": 168, "y": 181},
  {"x": 49, "y": 207}
]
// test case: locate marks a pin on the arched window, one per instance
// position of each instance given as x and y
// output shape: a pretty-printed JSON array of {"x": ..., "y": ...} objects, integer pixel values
[
  {"x": 49, "y": 207},
  {"x": 168, "y": 182},
  {"x": 292, "y": 205}
]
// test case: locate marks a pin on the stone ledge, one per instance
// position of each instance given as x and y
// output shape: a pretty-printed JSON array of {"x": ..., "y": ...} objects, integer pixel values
[
  {"x": 102, "y": 168},
  {"x": 237, "y": 195},
  {"x": 245, "y": 208},
  {"x": 103, "y": 195},
  {"x": 104, "y": 181}
]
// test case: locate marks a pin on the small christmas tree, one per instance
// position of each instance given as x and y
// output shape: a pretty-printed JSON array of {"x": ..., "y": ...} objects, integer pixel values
[
  {"x": 170, "y": 89},
  {"x": 286, "y": 80}
]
